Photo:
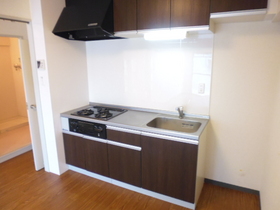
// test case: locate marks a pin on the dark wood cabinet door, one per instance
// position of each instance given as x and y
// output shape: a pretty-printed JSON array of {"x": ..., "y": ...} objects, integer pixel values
[
  {"x": 124, "y": 162},
  {"x": 96, "y": 156},
  {"x": 125, "y": 165},
  {"x": 124, "y": 15},
  {"x": 190, "y": 12},
  {"x": 74, "y": 150},
  {"x": 236, "y": 5},
  {"x": 169, "y": 167},
  {"x": 152, "y": 14},
  {"x": 124, "y": 137}
]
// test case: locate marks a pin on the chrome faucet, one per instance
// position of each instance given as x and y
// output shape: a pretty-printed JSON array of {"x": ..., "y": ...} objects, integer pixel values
[{"x": 181, "y": 112}]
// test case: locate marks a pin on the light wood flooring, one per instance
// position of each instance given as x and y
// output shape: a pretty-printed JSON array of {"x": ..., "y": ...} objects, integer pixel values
[
  {"x": 22, "y": 188},
  {"x": 12, "y": 123},
  {"x": 14, "y": 138}
]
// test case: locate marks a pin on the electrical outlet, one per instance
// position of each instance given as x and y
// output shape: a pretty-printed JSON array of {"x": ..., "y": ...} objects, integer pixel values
[{"x": 201, "y": 88}]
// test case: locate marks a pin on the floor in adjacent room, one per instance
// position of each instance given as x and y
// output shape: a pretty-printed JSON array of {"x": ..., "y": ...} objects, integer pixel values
[
  {"x": 14, "y": 135},
  {"x": 21, "y": 187}
]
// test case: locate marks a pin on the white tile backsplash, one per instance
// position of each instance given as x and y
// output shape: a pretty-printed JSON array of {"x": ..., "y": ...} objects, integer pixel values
[{"x": 155, "y": 75}]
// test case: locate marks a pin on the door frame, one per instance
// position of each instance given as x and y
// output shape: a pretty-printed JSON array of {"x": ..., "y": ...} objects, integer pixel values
[{"x": 23, "y": 30}]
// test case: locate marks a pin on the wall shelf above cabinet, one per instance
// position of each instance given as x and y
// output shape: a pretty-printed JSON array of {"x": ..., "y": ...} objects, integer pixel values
[
  {"x": 231, "y": 11},
  {"x": 239, "y": 16}
]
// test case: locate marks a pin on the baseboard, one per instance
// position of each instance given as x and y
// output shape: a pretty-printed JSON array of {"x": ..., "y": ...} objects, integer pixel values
[
  {"x": 233, "y": 187},
  {"x": 15, "y": 153}
]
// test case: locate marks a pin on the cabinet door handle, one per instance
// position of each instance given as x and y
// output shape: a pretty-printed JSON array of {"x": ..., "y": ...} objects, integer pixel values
[
  {"x": 123, "y": 129},
  {"x": 95, "y": 139},
  {"x": 171, "y": 138},
  {"x": 127, "y": 146}
]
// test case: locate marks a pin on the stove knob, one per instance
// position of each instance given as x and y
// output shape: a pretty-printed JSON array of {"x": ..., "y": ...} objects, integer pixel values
[{"x": 98, "y": 129}]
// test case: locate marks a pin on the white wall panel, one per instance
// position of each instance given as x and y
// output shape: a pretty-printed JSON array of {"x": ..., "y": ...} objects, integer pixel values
[{"x": 157, "y": 75}]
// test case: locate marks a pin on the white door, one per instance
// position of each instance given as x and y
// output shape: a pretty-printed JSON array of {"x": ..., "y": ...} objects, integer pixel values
[{"x": 20, "y": 30}]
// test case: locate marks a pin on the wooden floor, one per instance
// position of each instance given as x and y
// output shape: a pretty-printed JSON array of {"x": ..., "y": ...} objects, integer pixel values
[{"x": 22, "y": 188}]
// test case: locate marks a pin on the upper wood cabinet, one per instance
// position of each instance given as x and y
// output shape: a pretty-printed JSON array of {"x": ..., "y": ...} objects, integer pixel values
[
  {"x": 172, "y": 13},
  {"x": 153, "y": 14},
  {"x": 236, "y": 5},
  {"x": 125, "y": 15},
  {"x": 190, "y": 12}
]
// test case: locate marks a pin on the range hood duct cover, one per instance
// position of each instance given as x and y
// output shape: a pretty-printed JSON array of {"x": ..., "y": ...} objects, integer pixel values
[{"x": 86, "y": 20}]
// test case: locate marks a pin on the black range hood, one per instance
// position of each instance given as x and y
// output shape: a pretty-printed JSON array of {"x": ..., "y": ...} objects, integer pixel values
[{"x": 86, "y": 20}]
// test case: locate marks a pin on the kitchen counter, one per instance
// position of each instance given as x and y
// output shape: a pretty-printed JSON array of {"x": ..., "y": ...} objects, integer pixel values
[
  {"x": 138, "y": 151},
  {"x": 137, "y": 119}
]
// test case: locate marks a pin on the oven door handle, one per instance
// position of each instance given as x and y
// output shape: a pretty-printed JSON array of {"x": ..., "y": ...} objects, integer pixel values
[
  {"x": 95, "y": 139},
  {"x": 127, "y": 146}
]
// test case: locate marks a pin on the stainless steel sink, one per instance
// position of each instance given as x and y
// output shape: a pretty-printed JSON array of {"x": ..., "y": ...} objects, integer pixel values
[{"x": 172, "y": 124}]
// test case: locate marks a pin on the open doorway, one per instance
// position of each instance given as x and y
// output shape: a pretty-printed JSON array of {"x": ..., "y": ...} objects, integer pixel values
[
  {"x": 22, "y": 31},
  {"x": 15, "y": 136}
]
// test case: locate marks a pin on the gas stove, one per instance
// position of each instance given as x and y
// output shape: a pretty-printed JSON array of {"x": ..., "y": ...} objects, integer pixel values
[{"x": 99, "y": 112}]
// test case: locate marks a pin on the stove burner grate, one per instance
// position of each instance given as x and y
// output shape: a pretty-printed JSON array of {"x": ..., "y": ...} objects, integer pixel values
[
  {"x": 103, "y": 113},
  {"x": 85, "y": 112},
  {"x": 99, "y": 112}
]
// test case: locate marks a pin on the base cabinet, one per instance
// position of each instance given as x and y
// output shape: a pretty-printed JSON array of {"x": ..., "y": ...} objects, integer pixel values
[
  {"x": 161, "y": 164},
  {"x": 169, "y": 167},
  {"x": 96, "y": 157},
  {"x": 86, "y": 154},
  {"x": 124, "y": 154},
  {"x": 74, "y": 147},
  {"x": 125, "y": 165}
]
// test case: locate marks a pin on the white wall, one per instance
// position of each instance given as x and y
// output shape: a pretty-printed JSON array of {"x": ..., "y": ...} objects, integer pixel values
[
  {"x": 63, "y": 83},
  {"x": 8, "y": 105},
  {"x": 156, "y": 75},
  {"x": 18, "y": 9},
  {"x": 270, "y": 189},
  {"x": 244, "y": 86}
]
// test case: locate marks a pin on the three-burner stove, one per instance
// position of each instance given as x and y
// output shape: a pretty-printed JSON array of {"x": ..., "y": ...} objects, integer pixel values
[{"x": 99, "y": 112}]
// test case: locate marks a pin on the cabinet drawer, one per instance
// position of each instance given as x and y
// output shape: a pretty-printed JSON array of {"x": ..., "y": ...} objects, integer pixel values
[{"x": 124, "y": 136}]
